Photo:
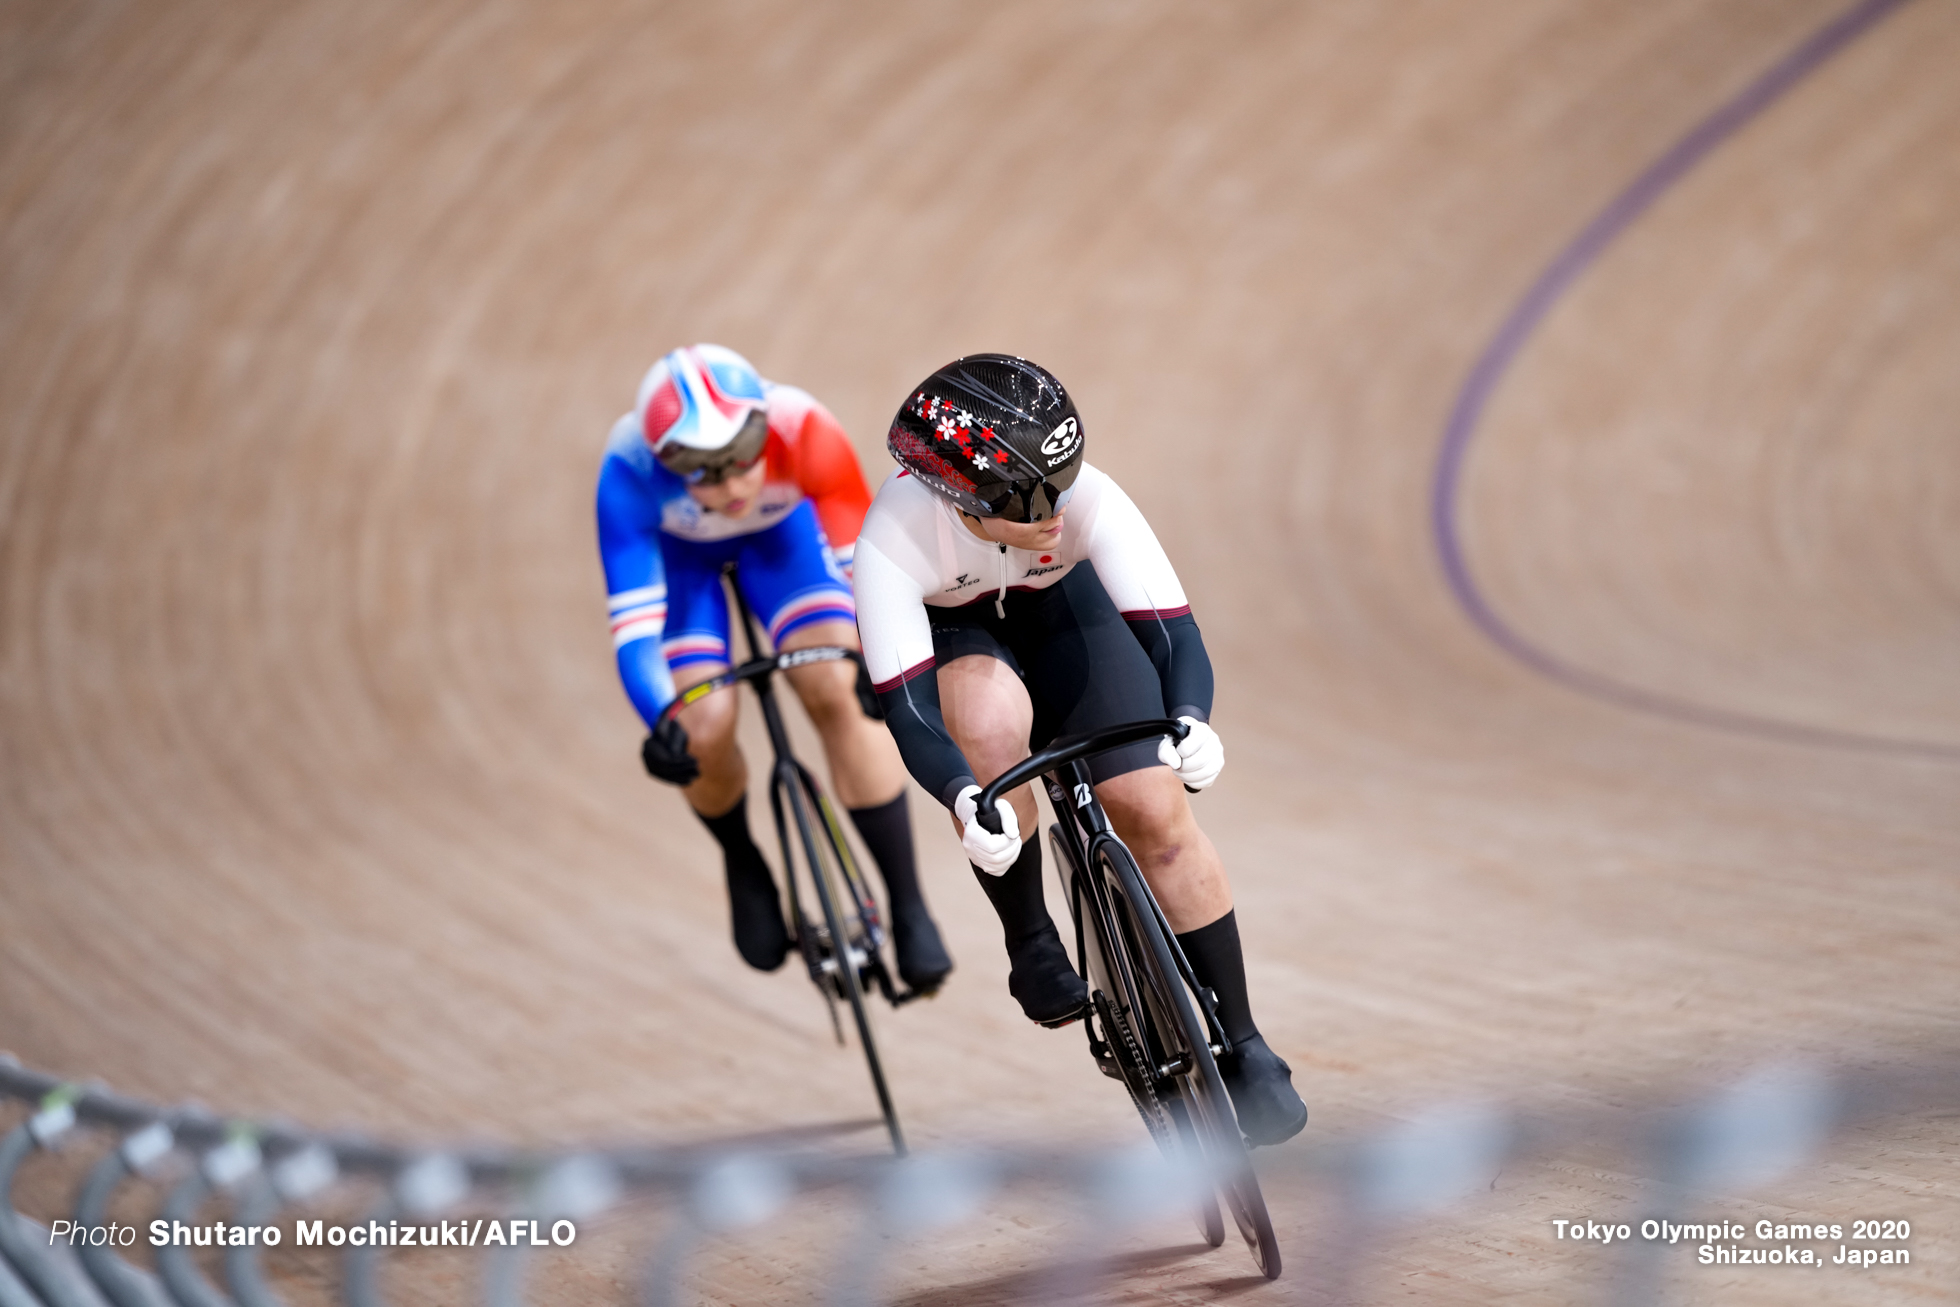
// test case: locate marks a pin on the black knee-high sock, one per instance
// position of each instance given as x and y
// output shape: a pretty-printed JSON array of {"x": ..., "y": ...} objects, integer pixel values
[
  {"x": 1219, "y": 964},
  {"x": 887, "y": 832},
  {"x": 1016, "y": 896},
  {"x": 761, "y": 935},
  {"x": 731, "y": 831}
]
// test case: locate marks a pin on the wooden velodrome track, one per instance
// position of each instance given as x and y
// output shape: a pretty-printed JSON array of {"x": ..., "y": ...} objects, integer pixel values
[{"x": 319, "y": 797}]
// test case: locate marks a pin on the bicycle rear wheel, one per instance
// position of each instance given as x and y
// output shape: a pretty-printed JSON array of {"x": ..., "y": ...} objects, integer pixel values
[
  {"x": 1187, "y": 1054},
  {"x": 1211, "y": 1224}
]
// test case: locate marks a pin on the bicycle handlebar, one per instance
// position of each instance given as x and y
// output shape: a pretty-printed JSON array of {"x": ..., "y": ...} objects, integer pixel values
[
  {"x": 755, "y": 669},
  {"x": 1067, "y": 750}
]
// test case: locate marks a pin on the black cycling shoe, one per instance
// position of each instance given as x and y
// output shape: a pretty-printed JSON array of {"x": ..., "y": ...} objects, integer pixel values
[
  {"x": 1044, "y": 982},
  {"x": 923, "y": 962},
  {"x": 757, "y": 913},
  {"x": 1261, "y": 1086}
]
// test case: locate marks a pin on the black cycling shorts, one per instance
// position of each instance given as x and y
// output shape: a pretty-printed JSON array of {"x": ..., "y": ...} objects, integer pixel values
[{"x": 1081, "y": 664}]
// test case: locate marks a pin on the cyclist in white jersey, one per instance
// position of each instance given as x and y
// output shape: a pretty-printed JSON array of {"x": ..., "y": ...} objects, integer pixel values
[{"x": 1009, "y": 593}]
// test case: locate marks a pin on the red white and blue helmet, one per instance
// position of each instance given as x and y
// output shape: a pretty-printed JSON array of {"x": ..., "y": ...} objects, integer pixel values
[{"x": 703, "y": 412}]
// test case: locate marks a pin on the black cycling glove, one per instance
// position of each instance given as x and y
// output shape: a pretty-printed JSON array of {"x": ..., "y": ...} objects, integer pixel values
[{"x": 666, "y": 757}]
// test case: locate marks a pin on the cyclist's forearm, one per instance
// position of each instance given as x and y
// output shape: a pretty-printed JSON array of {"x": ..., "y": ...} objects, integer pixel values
[
  {"x": 643, "y": 672},
  {"x": 911, "y": 704},
  {"x": 636, "y": 585},
  {"x": 1177, "y": 650}
]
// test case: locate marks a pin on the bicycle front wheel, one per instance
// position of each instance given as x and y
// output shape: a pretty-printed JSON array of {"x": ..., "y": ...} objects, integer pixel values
[
  {"x": 1187, "y": 1055},
  {"x": 1116, "y": 1037},
  {"x": 845, "y": 958}
]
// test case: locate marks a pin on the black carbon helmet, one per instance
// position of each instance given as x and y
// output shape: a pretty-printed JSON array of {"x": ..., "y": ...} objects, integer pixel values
[{"x": 995, "y": 434}]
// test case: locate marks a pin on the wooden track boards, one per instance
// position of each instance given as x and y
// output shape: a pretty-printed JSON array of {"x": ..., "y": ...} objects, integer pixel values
[{"x": 318, "y": 795}]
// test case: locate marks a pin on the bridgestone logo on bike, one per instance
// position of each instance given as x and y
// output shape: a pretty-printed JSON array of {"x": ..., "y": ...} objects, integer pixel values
[{"x": 798, "y": 657}]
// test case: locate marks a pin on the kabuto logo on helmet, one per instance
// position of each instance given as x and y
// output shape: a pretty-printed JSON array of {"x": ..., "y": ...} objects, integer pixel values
[{"x": 1062, "y": 441}]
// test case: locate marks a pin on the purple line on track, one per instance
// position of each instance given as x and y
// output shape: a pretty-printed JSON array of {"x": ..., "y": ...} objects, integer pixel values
[{"x": 1530, "y": 310}]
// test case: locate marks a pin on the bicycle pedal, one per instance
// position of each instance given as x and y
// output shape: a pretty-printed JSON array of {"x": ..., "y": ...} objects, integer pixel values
[
  {"x": 930, "y": 987},
  {"x": 1056, "y": 1023}
]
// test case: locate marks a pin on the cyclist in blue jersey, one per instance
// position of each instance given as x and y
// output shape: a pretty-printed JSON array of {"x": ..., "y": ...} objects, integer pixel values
[{"x": 717, "y": 466}]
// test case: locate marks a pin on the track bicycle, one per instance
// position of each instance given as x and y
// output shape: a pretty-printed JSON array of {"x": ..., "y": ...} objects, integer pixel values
[
  {"x": 1150, "y": 1024},
  {"x": 818, "y": 866}
]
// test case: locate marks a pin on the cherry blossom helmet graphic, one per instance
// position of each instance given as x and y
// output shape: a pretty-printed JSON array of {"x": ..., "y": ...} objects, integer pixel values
[
  {"x": 995, "y": 434},
  {"x": 703, "y": 411}
]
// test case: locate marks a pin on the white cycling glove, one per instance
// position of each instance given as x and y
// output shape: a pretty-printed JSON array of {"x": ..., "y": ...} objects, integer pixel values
[
  {"x": 1198, "y": 759},
  {"x": 992, "y": 853}
]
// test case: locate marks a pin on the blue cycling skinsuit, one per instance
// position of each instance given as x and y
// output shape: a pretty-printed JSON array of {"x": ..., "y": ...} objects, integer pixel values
[{"x": 664, "y": 554}]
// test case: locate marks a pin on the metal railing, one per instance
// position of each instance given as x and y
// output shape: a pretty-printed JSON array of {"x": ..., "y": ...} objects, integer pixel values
[{"x": 1362, "y": 1190}]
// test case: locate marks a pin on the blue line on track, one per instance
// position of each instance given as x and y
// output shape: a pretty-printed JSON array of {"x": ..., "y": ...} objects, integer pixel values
[{"x": 1503, "y": 349}]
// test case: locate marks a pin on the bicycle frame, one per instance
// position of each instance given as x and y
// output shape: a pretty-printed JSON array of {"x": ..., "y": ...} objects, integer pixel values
[
  {"x": 1134, "y": 964},
  {"x": 836, "y": 962}
]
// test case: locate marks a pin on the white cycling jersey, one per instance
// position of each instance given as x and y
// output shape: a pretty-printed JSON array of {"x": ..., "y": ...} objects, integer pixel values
[{"x": 915, "y": 551}]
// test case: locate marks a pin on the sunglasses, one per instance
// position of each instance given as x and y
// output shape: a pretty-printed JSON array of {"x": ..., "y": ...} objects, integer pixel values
[
  {"x": 1031, "y": 501},
  {"x": 711, "y": 467}
]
